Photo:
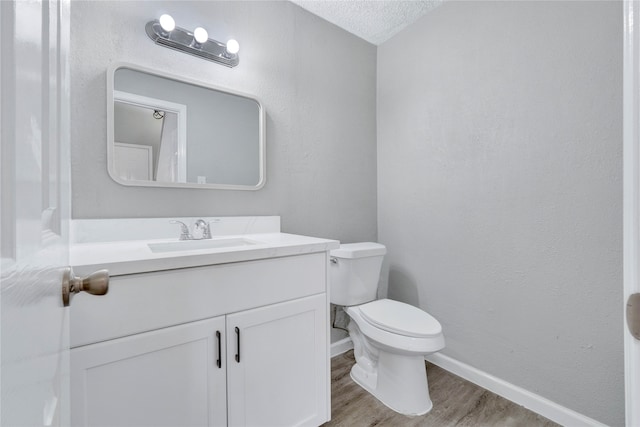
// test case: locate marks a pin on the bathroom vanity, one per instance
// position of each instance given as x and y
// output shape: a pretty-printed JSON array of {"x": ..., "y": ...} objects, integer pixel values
[{"x": 230, "y": 335}]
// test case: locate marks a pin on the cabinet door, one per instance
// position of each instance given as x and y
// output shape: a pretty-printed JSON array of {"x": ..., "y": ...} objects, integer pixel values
[
  {"x": 277, "y": 371},
  {"x": 168, "y": 377}
]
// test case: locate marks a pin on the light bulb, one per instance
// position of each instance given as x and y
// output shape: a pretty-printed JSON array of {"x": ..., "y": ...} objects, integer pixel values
[
  {"x": 167, "y": 23},
  {"x": 233, "y": 46},
  {"x": 200, "y": 35}
]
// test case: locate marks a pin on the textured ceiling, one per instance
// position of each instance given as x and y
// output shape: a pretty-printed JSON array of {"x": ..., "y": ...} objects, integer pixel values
[{"x": 373, "y": 20}]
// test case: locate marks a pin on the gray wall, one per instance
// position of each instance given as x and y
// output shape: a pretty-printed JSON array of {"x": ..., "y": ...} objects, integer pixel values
[
  {"x": 316, "y": 82},
  {"x": 500, "y": 194}
]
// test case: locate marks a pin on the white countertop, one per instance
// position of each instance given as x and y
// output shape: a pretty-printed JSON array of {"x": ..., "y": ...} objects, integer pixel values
[{"x": 135, "y": 256}]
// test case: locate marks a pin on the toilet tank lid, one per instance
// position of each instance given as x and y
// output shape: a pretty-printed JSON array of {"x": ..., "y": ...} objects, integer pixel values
[{"x": 359, "y": 250}]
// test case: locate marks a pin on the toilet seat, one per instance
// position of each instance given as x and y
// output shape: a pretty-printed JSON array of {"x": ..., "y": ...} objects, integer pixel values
[
  {"x": 400, "y": 318},
  {"x": 394, "y": 342}
]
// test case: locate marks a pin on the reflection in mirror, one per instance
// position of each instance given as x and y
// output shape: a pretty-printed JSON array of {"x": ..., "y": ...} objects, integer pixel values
[
  {"x": 149, "y": 138},
  {"x": 169, "y": 132}
]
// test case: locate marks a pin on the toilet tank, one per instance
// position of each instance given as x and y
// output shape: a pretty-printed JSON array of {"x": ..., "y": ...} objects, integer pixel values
[{"x": 354, "y": 272}]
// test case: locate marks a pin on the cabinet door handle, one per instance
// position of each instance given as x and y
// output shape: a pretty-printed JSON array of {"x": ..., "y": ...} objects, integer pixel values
[
  {"x": 238, "y": 344},
  {"x": 219, "y": 361}
]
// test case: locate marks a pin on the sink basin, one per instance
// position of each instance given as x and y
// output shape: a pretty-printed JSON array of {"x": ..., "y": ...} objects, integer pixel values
[{"x": 192, "y": 245}]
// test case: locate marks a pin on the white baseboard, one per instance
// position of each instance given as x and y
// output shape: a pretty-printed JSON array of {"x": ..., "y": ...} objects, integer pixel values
[
  {"x": 518, "y": 395},
  {"x": 341, "y": 346},
  {"x": 531, "y": 401}
]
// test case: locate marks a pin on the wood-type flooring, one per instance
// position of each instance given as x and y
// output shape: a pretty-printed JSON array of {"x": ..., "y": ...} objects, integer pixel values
[{"x": 456, "y": 402}]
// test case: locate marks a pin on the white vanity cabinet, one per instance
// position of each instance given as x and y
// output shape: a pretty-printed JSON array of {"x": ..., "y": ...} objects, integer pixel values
[{"x": 239, "y": 344}]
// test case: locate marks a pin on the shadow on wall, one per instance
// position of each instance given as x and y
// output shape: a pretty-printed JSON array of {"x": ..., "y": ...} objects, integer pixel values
[{"x": 402, "y": 286}]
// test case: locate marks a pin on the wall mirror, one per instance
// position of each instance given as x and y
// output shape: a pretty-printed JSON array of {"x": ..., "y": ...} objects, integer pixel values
[{"x": 167, "y": 131}]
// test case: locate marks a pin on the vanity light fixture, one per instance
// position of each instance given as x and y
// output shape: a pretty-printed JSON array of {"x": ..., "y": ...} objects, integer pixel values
[{"x": 164, "y": 32}]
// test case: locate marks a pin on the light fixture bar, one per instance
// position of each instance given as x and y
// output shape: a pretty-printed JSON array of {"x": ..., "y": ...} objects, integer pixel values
[{"x": 183, "y": 40}]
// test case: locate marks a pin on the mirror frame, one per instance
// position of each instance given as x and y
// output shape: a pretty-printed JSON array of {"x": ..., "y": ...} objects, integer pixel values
[{"x": 163, "y": 184}]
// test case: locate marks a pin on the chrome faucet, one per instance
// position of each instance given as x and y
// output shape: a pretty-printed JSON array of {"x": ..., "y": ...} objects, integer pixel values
[
  {"x": 201, "y": 225},
  {"x": 184, "y": 230}
]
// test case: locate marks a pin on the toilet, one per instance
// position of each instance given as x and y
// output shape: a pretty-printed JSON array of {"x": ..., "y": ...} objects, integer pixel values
[{"x": 390, "y": 338}]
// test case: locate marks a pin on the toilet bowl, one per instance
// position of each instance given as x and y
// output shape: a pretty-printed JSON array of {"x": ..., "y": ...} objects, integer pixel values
[
  {"x": 390, "y": 338},
  {"x": 390, "y": 355}
]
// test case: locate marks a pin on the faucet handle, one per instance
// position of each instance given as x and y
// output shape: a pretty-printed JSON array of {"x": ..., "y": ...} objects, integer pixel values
[
  {"x": 184, "y": 230},
  {"x": 204, "y": 227}
]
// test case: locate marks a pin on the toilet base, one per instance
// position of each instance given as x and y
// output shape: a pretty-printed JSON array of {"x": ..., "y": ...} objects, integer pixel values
[{"x": 400, "y": 382}]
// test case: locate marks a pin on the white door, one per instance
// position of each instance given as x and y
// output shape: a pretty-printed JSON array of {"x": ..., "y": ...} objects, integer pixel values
[
  {"x": 133, "y": 161},
  {"x": 34, "y": 212},
  {"x": 277, "y": 372},
  {"x": 632, "y": 201}
]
